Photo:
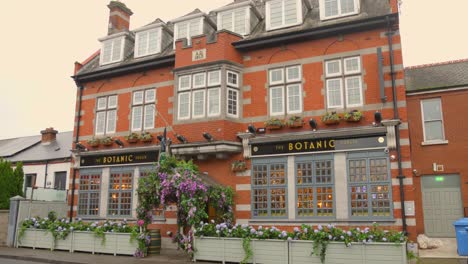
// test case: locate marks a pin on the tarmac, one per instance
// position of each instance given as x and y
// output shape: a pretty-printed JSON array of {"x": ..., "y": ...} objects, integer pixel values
[{"x": 444, "y": 255}]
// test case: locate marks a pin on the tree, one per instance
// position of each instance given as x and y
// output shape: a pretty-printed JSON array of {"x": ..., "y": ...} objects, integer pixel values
[{"x": 11, "y": 182}]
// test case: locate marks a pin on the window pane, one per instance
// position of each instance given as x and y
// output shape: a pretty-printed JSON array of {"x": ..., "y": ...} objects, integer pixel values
[
  {"x": 102, "y": 103},
  {"x": 277, "y": 174},
  {"x": 331, "y": 8},
  {"x": 214, "y": 78},
  {"x": 432, "y": 109},
  {"x": 195, "y": 27},
  {"x": 290, "y": 12},
  {"x": 199, "y": 80},
  {"x": 138, "y": 97},
  {"x": 359, "y": 201},
  {"x": 149, "y": 116},
  {"x": 111, "y": 118},
  {"x": 276, "y": 76},
  {"x": 323, "y": 172},
  {"x": 153, "y": 45},
  {"x": 232, "y": 79},
  {"x": 347, "y": 6},
  {"x": 293, "y": 74},
  {"x": 142, "y": 43},
  {"x": 100, "y": 122},
  {"x": 213, "y": 101},
  {"x": 199, "y": 103},
  {"x": 278, "y": 201},
  {"x": 333, "y": 67},
  {"x": 184, "y": 82},
  {"x": 277, "y": 105},
  {"x": 334, "y": 93},
  {"x": 304, "y": 173},
  {"x": 260, "y": 175},
  {"x": 226, "y": 21},
  {"x": 106, "y": 51},
  {"x": 357, "y": 171},
  {"x": 184, "y": 105},
  {"x": 353, "y": 91},
  {"x": 380, "y": 198},
  {"x": 240, "y": 21},
  {"x": 83, "y": 203},
  {"x": 352, "y": 65},
  {"x": 294, "y": 98},
  {"x": 433, "y": 130},
  {"x": 117, "y": 49},
  {"x": 181, "y": 30},
  {"x": 305, "y": 201},
  {"x": 324, "y": 201},
  {"x": 378, "y": 170},
  {"x": 150, "y": 96},
  {"x": 136, "y": 118},
  {"x": 112, "y": 103},
  {"x": 276, "y": 13},
  {"x": 260, "y": 202},
  {"x": 232, "y": 102}
]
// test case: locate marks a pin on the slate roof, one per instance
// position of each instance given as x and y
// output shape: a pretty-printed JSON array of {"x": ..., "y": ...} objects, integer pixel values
[
  {"x": 31, "y": 149},
  {"x": 437, "y": 76}
]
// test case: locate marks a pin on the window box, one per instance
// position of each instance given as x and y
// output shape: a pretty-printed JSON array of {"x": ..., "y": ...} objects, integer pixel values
[
  {"x": 274, "y": 124},
  {"x": 295, "y": 122},
  {"x": 146, "y": 137},
  {"x": 115, "y": 243},
  {"x": 132, "y": 138},
  {"x": 106, "y": 141},
  {"x": 94, "y": 142},
  {"x": 238, "y": 165},
  {"x": 331, "y": 118},
  {"x": 353, "y": 116}
]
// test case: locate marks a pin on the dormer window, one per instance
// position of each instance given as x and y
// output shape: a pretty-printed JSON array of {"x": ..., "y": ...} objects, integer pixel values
[
  {"x": 148, "y": 42},
  {"x": 337, "y": 8},
  {"x": 188, "y": 29},
  {"x": 112, "y": 50},
  {"x": 235, "y": 20},
  {"x": 283, "y": 13}
]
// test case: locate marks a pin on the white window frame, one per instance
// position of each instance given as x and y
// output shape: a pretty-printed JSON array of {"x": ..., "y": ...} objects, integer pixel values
[
  {"x": 112, "y": 40},
  {"x": 202, "y": 85},
  {"x": 143, "y": 104},
  {"x": 346, "y": 72},
  {"x": 443, "y": 139},
  {"x": 219, "y": 78},
  {"x": 237, "y": 102},
  {"x": 189, "y": 34},
  {"x": 281, "y": 88},
  {"x": 158, "y": 31},
  {"x": 268, "y": 18},
  {"x": 346, "y": 91},
  {"x": 341, "y": 94},
  {"x": 106, "y": 111},
  {"x": 194, "y": 105},
  {"x": 179, "y": 117},
  {"x": 339, "y": 73},
  {"x": 180, "y": 88},
  {"x": 134, "y": 108},
  {"x": 233, "y": 20},
  {"x": 284, "y": 85},
  {"x": 343, "y": 75},
  {"x": 270, "y": 74},
  {"x": 208, "y": 102},
  {"x": 289, "y": 111},
  {"x": 340, "y": 14},
  {"x": 299, "y": 75},
  {"x": 230, "y": 83}
]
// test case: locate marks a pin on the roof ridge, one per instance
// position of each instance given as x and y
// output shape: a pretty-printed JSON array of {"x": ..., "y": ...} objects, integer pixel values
[{"x": 436, "y": 64}]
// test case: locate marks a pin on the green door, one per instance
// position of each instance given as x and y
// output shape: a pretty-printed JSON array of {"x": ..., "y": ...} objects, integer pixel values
[{"x": 442, "y": 204}]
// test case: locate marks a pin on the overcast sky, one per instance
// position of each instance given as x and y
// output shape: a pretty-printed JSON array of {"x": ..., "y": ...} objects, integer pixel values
[{"x": 42, "y": 39}]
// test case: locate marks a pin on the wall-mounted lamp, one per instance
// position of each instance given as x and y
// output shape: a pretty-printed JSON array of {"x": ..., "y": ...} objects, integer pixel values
[
  {"x": 377, "y": 118},
  {"x": 181, "y": 138},
  {"x": 208, "y": 136},
  {"x": 80, "y": 147},
  {"x": 313, "y": 124},
  {"x": 252, "y": 129},
  {"x": 119, "y": 142}
]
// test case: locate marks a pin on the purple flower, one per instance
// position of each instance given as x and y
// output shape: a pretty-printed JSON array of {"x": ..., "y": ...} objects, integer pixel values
[
  {"x": 252, "y": 231},
  {"x": 320, "y": 227},
  {"x": 296, "y": 229},
  {"x": 260, "y": 233},
  {"x": 140, "y": 223},
  {"x": 349, "y": 233}
]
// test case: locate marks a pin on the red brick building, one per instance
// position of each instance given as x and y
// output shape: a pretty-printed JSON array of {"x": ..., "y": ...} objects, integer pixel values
[
  {"x": 226, "y": 73},
  {"x": 436, "y": 96}
]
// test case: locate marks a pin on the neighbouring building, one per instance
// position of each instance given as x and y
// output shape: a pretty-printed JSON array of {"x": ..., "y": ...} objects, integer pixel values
[
  {"x": 214, "y": 79},
  {"x": 436, "y": 96},
  {"x": 46, "y": 162}
]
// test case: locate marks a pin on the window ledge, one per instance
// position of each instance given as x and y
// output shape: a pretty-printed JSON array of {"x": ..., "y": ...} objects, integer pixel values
[
  {"x": 325, "y": 220},
  {"x": 434, "y": 142}
]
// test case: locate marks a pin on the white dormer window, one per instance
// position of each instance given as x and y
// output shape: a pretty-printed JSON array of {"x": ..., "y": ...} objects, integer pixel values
[
  {"x": 236, "y": 20},
  {"x": 112, "y": 50},
  {"x": 188, "y": 29},
  {"x": 337, "y": 8},
  {"x": 283, "y": 13},
  {"x": 148, "y": 42}
]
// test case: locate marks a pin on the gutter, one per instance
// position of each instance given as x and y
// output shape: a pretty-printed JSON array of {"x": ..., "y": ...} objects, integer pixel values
[
  {"x": 315, "y": 33},
  {"x": 400, "y": 176}
]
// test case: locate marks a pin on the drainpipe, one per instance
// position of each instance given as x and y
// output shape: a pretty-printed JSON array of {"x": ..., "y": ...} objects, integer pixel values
[
  {"x": 400, "y": 176},
  {"x": 76, "y": 140},
  {"x": 45, "y": 175}
]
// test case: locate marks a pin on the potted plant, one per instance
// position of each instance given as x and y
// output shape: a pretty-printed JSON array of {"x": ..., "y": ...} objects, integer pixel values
[
  {"x": 238, "y": 165},
  {"x": 93, "y": 142},
  {"x": 132, "y": 137},
  {"x": 330, "y": 118},
  {"x": 295, "y": 122},
  {"x": 146, "y": 137},
  {"x": 106, "y": 141},
  {"x": 353, "y": 116},
  {"x": 274, "y": 123}
]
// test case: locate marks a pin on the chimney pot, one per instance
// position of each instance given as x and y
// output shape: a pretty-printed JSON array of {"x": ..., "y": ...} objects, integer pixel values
[
  {"x": 119, "y": 17},
  {"x": 48, "y": 135}
]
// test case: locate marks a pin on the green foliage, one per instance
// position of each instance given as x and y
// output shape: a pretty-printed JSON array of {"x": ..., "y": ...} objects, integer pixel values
[
  {"x": 330, "y": 116},
  {"x": 354, "y": 115},
  {"x": 11, "y": 182},
  {"x": 247, "y": 249},
  {"x": 293, "y": 120},
  {"x": 52, "y": 215},
  {"x": 222, "y": 199},
  {"x": 274, "y": 122}
]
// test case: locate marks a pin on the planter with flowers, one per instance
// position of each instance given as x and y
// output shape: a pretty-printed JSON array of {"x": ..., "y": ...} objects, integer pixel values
[
  {"x": 106, "y": 141},
  {"x": 274, "y": 124},
  {"x": 353, "y": 116},
  {"x": 239, "y": 165},
  {"x": 331, "y": 118},
  {"x": 327, "y": 244},
  {"x": 132, "y": 137},
  {"x": 146, "y": 137},
  {"x": 93, "y": 142},
  {"x": 295, "y": 122}
]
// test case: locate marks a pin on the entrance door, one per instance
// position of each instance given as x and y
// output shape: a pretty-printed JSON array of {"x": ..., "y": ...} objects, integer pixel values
[
  {"x": 442, "y": 204},
  {"x": 60, "y": 180}
]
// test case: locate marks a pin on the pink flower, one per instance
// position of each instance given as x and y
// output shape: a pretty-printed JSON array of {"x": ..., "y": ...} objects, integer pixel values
[{"x": 140, "y": 222}]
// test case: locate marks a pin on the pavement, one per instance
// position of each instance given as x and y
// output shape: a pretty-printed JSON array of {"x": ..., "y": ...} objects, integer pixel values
[{"x": 447, "y": 254}]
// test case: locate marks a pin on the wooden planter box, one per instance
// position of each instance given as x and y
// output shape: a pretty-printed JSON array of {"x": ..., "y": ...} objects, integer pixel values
[
  {"x": 337, "y": 252},
  {"x": 296, "y": 124},
  {"x": 331, "y": 122},
  {"x": 115, "y": 243},
  {"x": 132, "y": 140},
  {"x": 231, "y": 250},
  {"x": 274, "y": 127}
]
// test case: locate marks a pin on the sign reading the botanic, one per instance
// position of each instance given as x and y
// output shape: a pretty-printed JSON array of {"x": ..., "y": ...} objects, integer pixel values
[
  {"x": 317, "y": 145},
  {"x": 118, "y": 159}
]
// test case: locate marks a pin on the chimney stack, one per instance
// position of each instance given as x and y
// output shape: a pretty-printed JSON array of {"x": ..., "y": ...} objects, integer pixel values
[
  {"x": 48, "y": 135},
  {"x": 119, "y": 17}
]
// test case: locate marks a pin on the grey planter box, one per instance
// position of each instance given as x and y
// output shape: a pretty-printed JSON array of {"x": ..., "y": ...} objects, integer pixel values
[
  {"x": 337, "y": 252},
  {"x": 115, "y": 243},
  {"x": 231, "y": 250}
]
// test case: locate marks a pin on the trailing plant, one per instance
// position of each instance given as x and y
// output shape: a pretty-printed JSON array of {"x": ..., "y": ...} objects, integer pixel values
[
  {"x": 295, "y": 121},
  {"x": 330, "y": 117},
  {"x": 247, "y": 249},
  {"x": 353, "y": 116}
]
